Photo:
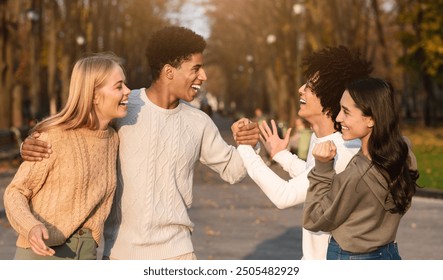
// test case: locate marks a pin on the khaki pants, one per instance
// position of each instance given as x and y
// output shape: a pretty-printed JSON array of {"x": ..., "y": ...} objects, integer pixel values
[
  {"x": 185, "y": 257},
  {"x": 80, "y": 246}
]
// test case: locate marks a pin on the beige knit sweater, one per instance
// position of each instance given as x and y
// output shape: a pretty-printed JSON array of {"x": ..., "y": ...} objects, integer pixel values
[{"x": 73, "y": 188}]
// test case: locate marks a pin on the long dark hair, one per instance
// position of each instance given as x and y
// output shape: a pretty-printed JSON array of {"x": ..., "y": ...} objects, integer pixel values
[{"x": 388, "y": 149}]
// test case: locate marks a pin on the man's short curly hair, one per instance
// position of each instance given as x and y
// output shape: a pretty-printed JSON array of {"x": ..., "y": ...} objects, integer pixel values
[
  {"x": 172, "y": 45},
  {"x": 329, "y": 71}
]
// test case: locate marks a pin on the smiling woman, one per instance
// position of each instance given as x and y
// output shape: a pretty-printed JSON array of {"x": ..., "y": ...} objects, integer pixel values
[
  {"x": 58, "y": 205},
  {"x": 111, "y": 98},
  {"x": 96, "y": 81},
  {"x": 362, "y": 206}
]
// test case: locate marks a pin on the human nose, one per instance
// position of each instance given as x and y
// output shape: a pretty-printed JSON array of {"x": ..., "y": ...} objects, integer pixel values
[
  {"x": 301, "y": 89},
  {"x": 202, "y": 75},
  {"x": 339, "y": 117},
  {"x": 126, "y": 90}
]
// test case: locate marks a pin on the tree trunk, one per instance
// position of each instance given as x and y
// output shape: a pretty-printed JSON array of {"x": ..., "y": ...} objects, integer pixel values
[
  {"x": 17, "y": 103},
  {"x": 7, "y": 66},
  {"x": 52, "y": 57},
  {"x": 9, "y": 12},
  {"x": 271, "y": 89},
  {"x": 382, "y": 41},
  {"x": 65, "y": 78},
  {"x": 34, "y": 65},
  {"x": 429, "y": 113}
]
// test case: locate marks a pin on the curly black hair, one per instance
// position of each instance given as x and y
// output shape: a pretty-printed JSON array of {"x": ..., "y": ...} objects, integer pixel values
[
  {"x": 329, "y": 71},
  {"x": 172, "y": 45}
]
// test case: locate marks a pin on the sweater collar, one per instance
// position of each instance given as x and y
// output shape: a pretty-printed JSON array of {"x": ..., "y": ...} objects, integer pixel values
[
  {"x": 94, "y": 133},
  {"x": 149, "y": 103}
]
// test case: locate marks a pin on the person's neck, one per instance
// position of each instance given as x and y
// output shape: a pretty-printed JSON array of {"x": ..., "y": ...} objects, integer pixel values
[
  {"x": 103, "y": 123},
  {"x": 104, "y": 126},
  {"x": 160, "y": 96},
  {"x": 364, "y": 146},
  {"x": 323, "y": 127}
]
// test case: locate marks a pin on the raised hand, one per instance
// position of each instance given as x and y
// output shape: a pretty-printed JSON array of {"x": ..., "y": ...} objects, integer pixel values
[{"x": 270, "y": 139}]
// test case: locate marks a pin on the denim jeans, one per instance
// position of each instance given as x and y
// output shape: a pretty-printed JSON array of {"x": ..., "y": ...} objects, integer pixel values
[{"x": 386, "y": 252}]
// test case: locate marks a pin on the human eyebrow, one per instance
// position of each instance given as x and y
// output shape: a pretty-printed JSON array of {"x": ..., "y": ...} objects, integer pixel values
[
  {"x": 119, "y": 83},
  {"x": 197, "y": 66}
]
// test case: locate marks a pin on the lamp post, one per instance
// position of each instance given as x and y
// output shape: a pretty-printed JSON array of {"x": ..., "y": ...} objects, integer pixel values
[
  {"x": 270, "y": 39},
  {"x": 298, "y": 9},
  {"x": 32, "y": 112},
  {"x": 80, "y": 40},
  {"x": 251, "y": 101},
  {"x": 32, "y": 15}
]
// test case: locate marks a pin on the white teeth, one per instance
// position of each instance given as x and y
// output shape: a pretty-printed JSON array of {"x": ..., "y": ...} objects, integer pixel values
[
  {"x": 196, "y": 87},
  {"x": 124, "y": 103},
  {"x": 302, "y": 101},
  {"x": 344, "y": 127}
]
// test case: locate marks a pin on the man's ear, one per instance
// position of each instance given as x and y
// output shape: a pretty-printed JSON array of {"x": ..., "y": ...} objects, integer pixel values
[
  {"x": 169, "y": 71},
  {"x": 327, "y": 112}
]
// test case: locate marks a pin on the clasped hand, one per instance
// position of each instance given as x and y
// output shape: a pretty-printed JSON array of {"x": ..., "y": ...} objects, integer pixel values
[
  {"x": 245, "y": 132},
  {"x": 269, "y": 137}
]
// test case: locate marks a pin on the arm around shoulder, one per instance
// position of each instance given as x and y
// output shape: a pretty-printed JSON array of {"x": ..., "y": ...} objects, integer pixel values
[{"x": 34, "y": 149}]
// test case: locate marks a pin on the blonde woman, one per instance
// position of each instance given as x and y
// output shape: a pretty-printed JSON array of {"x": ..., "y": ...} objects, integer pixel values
[{"x": 58, "y": 206}]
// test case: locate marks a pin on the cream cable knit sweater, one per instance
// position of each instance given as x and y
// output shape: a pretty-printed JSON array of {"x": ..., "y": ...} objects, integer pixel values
[
  {"x": 158, "y": 152},
  {"x": 73, "y": 188}
]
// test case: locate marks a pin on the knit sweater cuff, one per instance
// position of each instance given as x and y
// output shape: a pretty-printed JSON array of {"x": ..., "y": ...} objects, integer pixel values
[{"x": 324, "y": 167}]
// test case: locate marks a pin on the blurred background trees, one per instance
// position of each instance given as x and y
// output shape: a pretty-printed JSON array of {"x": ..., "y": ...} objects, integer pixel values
[
  {"x": 262, "y": 43},
  {"x": 41, "y": 40},
  {"x": 255, "y": 48}
]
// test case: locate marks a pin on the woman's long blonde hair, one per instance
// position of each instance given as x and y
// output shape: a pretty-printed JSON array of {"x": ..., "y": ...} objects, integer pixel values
[{"x": 89, "y": 74}]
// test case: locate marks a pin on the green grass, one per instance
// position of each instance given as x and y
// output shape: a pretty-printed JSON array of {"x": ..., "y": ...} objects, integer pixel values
[
  {"x": 430, "y": 166},
  {"x": 428, "y": 148}
]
